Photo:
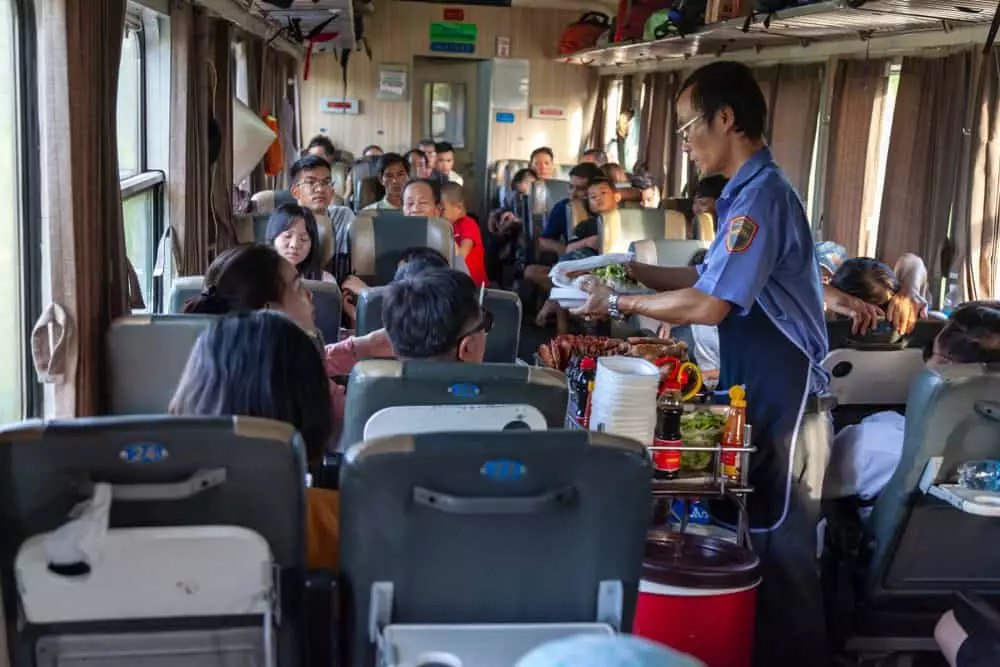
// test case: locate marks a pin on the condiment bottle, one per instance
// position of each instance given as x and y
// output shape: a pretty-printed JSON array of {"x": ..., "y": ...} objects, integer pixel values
[
  {"x": 732, "y": 437},
  {"x": 667, "y": 463},
  {"x": 581, "y": 384}
]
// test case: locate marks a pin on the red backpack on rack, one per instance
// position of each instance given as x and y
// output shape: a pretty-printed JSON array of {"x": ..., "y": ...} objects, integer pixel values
[{"x": 584, "y": 33}]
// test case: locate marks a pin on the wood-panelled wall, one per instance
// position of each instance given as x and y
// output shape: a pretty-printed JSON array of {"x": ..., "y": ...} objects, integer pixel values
[{"x": 400, "y": 30}]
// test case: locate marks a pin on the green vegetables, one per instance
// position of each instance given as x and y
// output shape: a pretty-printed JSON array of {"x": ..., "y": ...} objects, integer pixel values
[
  {"x": 616, "y": 276},
  {"x": 700, "y": 429}
]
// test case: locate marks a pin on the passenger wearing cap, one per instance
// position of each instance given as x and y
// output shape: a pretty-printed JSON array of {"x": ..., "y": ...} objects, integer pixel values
[
  {"x": 603, "y": 651},
  {"x": 760, "y": 285}
]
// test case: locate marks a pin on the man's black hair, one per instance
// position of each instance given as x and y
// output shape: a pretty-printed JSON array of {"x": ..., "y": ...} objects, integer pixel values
[
  {"x": 427, "y": 142},
  {"x": 596, "y": 152},
  {"x": 370, "y": 147},
  {"x": 601, "y": 180},
  {"x": 307, "y": 163},
  {"x": 431, "y": 183},
  {"x": 729, "y": 84},
  {"x": 323, "y": 141},
  {"x": 521, "y": 175},
  {"x": 867, "y": 279},
  {"x": 542, "y": 149},
  {"x": 587, "y": 170},
  {"x": 972, "y": 334},
  {"x": 387, "y": 160},
  {"x": 426, "y": 314},
  {"x": 444, "y": 147},
  {"x": 419, "y": 259}
]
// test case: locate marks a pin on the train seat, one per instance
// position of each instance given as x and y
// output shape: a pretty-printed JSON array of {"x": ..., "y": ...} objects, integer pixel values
[
  {"x": 512, "y": 530},
  {"x": 619, "y": 229},
  {"x": 264, "y": 203},
  {"x": 200, "y": 554},
  {"x": 874, "y": 372},
  {"x": 546, "y": 194},
  {"x": 666, "y": 252},
  {"x": 388, "y": 397},
  {"x": 502, "y": 342},
  {"x": 365, "y": 185},
  {"x": 146, "y": 355},
  {"x": 326, "y": 299},
  {"x": 379, "y": 238},
  {"x": 340, "y": 174},
  {"x": 922, "y": 542}
]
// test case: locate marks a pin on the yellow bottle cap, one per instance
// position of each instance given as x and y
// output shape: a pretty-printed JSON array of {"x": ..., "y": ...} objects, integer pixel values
[{"x": 737, "y": 396}]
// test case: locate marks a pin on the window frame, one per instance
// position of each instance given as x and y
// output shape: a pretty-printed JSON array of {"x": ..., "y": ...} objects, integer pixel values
[{"x": 30, "y": 199}]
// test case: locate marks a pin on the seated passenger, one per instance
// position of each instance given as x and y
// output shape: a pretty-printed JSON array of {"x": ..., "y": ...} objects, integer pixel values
[
  {"x": 292, "y": 231},
  {"x": 429, "y": 147},
  {"x": 468, "y": 238},
  {"x": 615, "y": 173},
  {"x": 902, "y": 310},
  {"x": 650, "y": 194},
  {"x": 446, "y": 163},
  {"x": 422, "y": 198},
  {"x": 255, "y": 277},
  {"x": 864, "y": 456},
  {"x": 412, "y": 261},
  {"x": 321, "y": 146},
  {"x": 557, "y": 230},
  {"x": 260, "y": 364},
  {"x": 706, "y": 193},
  {"x": 543, "y": 162},
  {"x": 392, "y": 174},
  {"x": 967, "y": 640},
  {"x": 602, "y": 198},
  {"x": 416, "y": 164},
  {"x": 312, "y": 187},
  {"x": 594, "y": 156},
  {"x": 436, "y": 315},
  {"x": 505, "y": 256},
  {"x": 372, "y": 151}
]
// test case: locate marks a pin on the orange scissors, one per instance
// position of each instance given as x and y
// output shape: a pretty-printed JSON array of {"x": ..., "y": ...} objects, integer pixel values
[{"x": 679, "y": 376}]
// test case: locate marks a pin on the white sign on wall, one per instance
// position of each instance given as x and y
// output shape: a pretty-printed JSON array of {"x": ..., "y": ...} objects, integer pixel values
[{"x": 339, "y": 105}]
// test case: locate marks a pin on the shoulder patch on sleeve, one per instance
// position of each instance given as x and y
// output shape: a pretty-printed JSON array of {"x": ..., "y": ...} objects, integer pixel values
[{"x": 740, "y": 234}]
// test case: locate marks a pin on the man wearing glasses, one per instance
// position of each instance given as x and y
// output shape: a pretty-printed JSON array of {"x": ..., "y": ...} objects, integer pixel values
[
  {"x": 436, "y": 315},
  {"x": 312, "y": 187},
  {"x": 759, "y": 283}
]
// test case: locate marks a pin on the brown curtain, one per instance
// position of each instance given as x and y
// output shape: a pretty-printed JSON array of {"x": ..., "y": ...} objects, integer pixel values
[
  {"x": 224, "y": 92},
  {"x": 255, "y": 55},
  {"x": 977, "y": 210},
  {"x": 79, "y": 55},
  {"x": 793, "y": 95},
  {"x": 921, "y": 175},
  {"x": 657, "y": 122},
  {"x": 276, "y": 68},
  {"x": 188, "y": 188},
  {"x": 858, "y": 84},
  {"x": 595, "y": 138}
]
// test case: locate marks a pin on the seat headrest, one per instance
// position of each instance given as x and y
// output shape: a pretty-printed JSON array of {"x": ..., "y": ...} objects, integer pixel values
[
  {"x": 666, "y": 252},
  {"x": 454, "y": 372},
  {"x": 882, "y": 337},
  {"x": 182, "y": 289}
]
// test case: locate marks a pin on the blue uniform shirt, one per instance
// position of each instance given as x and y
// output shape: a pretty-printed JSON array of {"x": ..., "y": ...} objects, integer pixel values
[
  {"x": 557, "y": 222},
  {"x": 764, "y": 252}
]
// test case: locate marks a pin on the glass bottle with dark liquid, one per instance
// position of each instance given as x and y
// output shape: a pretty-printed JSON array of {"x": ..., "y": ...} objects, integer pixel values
[{"x": 667, "y": 463}]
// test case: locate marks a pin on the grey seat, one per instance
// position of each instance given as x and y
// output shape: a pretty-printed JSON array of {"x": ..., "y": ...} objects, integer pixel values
[
  {"x": 502, "y": 342},
  {"x": 264, "y": 204},
  {"x": 171, "y": 476},
  {"x": 146, "y": 355},
  {"x": 491, "y": 528},
  {"x": 364, "y": 183},
  {"x": 666, "y": 252},
  {"x": 378, "y": 239},
  {"x": 921, "y": 547},
  {"x": 418, "y": 396},
  {"x": 326, "y": 299}
]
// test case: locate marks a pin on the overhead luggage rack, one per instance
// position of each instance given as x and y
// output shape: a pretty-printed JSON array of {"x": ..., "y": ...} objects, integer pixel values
[{"x": 797, "y": 26}]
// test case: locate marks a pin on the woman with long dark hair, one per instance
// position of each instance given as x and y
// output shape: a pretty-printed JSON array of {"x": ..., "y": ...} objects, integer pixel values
[
  {"x": 260, "y": 364},
  {"x": 293, "y": 232},
  {"x": 255, "y": 277}
]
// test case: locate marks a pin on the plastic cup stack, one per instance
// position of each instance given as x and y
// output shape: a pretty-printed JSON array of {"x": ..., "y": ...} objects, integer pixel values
[{"x": 624, "y": 399}]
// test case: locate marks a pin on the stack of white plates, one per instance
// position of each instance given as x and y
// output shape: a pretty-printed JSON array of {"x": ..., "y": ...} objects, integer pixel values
[{"x": 624, "y": 400}]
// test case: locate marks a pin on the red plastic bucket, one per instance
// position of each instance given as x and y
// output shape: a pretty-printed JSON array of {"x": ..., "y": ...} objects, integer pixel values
[{"x": 698, "y": 595}]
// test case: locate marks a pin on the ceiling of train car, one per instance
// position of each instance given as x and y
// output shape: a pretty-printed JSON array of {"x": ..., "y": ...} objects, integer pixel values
[
  {"x": 301, "y": 17},
  {"x": 803, "y": 25}
]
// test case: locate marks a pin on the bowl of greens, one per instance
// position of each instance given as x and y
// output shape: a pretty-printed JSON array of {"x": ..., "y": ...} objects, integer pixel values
[{"x": 700, "y": 429}]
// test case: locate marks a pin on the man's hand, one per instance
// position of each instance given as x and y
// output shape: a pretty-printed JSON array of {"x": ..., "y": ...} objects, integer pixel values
[
  {"x": 904, "y": 311},
  {"x": 353, "y": 285},
  {"x": 596, "y": 307},
  {"x": 864, "y": 316}
]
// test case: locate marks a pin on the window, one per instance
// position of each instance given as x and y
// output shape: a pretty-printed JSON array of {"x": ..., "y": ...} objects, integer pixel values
[
  {"x": 446, "y": 112},
  {"x": 12, "y": 306},
  {"x": 130, "y": 111},
  {"x": 142, "y": 188},
  {"x": 614, "y": 119}
]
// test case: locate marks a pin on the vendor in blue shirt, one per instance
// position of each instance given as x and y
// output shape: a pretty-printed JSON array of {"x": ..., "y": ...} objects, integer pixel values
[{"x": 760, "y": 285}]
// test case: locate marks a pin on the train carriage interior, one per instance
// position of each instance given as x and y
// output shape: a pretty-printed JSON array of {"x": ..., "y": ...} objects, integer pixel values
[{"x": 332, "y": 333}]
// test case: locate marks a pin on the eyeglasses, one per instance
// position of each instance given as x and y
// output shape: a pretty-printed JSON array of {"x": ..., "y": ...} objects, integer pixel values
[
  {"x": 314, "y": 184},
  {"x": 485, "y": 325},
  {"x": 684, "y": 131}
]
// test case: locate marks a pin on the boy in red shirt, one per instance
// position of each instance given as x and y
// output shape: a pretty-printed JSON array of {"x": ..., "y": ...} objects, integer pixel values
[{"x": 468, "y": 239}]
